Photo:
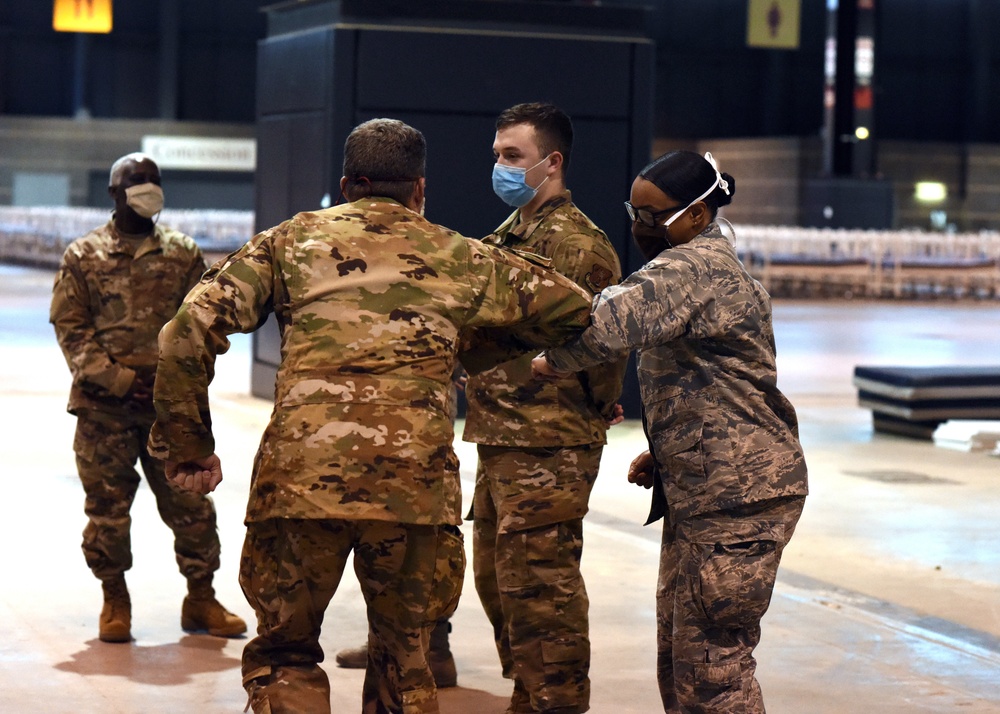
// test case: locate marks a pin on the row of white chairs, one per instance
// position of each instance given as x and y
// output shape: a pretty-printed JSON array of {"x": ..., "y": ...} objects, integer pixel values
[
  {"x": 786, "y": 259},
  {"x": 40, "y": 234},
  {"x": 874, "y": 263}
]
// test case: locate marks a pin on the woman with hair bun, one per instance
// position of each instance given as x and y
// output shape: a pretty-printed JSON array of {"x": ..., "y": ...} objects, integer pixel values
[{"x": 724, "y": 459}]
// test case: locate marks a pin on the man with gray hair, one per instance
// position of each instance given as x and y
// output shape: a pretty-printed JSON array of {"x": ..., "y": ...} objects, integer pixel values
[
  {"x": 115, "y": 289},
  {"x": 374, "y": 304}
]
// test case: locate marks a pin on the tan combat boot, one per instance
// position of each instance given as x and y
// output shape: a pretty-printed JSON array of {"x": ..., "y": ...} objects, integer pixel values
[
  {"x": 201, "y": 612},
  {"x": 116, "y": 615},
  {"x": 439, "y": 657},
  {"x": 520, "y": 702},
  {"x": 353, "y": 657}
]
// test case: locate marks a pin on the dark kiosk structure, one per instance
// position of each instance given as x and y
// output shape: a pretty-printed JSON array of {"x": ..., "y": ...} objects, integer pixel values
[{"x": 448, "y": 68}]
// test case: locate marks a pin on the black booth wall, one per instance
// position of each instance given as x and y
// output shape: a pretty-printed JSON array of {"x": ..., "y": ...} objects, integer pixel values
[{"x": 325, "y": 71}]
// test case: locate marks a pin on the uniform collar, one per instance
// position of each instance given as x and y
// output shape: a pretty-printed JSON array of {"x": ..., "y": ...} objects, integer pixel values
[
  {"x": 134, "y": 245},
  {"x": 383, "y": 203},
  {"x": 512, "y": 231}
]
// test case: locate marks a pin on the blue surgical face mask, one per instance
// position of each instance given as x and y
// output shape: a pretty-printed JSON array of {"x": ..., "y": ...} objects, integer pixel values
[{"x": 510, "y": 184}]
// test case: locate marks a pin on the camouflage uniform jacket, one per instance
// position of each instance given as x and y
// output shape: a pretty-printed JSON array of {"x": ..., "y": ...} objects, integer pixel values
[
  {"x": 506, "y": 406},
  {"x": 721, "y": 433},
  {"x": 111, "y": 297},
  {"x": 371, "y": 300}
]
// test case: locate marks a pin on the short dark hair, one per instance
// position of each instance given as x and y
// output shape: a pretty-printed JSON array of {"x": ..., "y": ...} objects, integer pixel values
[
  {"x": 552, "y": 126},
  {"x": 383, "y": 157},
  {"x": 685, "y": 175}
]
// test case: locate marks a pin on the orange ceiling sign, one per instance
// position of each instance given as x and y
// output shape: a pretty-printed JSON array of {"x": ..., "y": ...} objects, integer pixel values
[{"x": 82, "y": 16}]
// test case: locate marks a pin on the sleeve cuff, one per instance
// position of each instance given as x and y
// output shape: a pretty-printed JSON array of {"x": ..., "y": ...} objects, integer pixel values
[{"x": 123, "y": 382}]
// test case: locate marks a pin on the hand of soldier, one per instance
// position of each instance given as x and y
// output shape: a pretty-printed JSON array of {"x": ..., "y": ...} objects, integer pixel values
[
  {"x": 141, "y": 389},
  {"x": 617, "y": 416},
  {"x": 198, "y": 475},
  {"x": 642, "y": 470},
  {"x": 541, "y": 369}
]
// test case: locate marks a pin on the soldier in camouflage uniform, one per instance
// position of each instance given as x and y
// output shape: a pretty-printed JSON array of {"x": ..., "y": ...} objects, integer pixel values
[
  {"x": 115, "y": 289},
  {"x": 540, "y": 444},
  {"x": 372, "y": 301},
  {"x": 724, "y": 461}
]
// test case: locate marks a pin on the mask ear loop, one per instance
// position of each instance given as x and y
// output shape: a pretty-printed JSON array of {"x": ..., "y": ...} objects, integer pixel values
[
  {"x": 724, "y": 185},
  {"x": 720, "y": 182},
  {"x": 156, "y": 218},
  {"x": 358, "y": 180}
]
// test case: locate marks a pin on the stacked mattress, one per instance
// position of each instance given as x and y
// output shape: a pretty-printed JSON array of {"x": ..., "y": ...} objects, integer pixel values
[{"x": 913, "y": 401}]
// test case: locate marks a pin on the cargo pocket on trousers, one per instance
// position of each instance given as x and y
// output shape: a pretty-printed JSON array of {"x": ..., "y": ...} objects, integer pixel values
[
  {"x": 534, "y": 509},
  {"x": 718, "y": 676},
  {"x": 533, "y": 529},
  {"x": 739, "y": 563},
  {"x": 560, "y": 650},
  {"x": 258, "y": 572},
  {"x": 85, "y": 441},
  {"x": 449, "y": 574}
]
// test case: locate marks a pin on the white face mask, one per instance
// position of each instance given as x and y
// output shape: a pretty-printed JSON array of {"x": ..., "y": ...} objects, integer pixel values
[{"x": 146, "y": 199}]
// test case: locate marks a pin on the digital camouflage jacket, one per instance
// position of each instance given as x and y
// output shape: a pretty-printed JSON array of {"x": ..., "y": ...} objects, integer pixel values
[{"x": 721, "y": 432}]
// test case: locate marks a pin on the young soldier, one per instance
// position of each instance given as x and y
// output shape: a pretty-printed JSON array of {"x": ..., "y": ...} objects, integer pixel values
[{"x": 540, "y": 444}]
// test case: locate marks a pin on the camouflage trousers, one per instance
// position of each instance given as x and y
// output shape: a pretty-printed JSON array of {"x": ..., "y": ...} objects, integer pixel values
[
  {"x": 107, "y": 448},
  {"x": 410, "y": 576},
  {"x": 717, "y": 572},
  {"x": 528, "y": 513}
]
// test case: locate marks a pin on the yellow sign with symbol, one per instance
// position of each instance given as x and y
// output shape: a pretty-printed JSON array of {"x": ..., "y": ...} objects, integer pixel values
[
  {"x": 773, "y": 24},
  {"x": 82, "y": 16}
]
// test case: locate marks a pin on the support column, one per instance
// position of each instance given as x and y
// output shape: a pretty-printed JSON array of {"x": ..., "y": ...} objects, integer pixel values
[
  {"x": 81, "y": 47},
  {"x": 849, "y": 94},
  {"x": 981, "y": 36},
  {"x": 849, "y": 193},
  {"x": 169, "y": 56}
]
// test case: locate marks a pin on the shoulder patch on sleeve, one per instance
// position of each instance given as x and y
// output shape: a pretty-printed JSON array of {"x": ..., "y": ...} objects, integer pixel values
[{"x": 598, "y": 278}]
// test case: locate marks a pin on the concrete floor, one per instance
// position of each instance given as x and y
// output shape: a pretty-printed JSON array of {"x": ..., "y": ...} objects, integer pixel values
[{"x": 888, "y": 599}]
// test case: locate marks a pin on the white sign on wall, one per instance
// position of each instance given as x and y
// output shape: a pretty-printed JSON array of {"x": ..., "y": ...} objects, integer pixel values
[{"x": 201, "y": 153}]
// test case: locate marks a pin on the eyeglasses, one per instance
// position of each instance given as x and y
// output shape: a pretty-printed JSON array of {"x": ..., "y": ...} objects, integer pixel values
[{"x": 650, "y": 219}]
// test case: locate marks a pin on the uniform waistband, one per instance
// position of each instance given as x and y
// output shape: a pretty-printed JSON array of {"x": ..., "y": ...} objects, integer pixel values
[{"x": 365, "y": 389}]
